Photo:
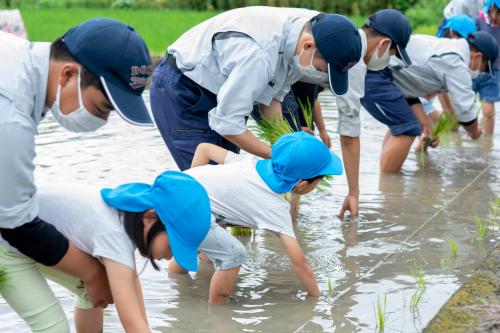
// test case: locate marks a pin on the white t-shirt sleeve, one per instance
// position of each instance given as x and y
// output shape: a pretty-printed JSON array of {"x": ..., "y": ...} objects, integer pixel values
[
  {"x": 233, "y": 157},
  {"x": 115, "y": 246},
  {"x": 279, "y": 220}
]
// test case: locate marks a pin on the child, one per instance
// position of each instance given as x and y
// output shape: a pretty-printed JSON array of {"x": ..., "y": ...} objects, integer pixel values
[
  {"x": 486, "y": 84},
  {"x": 246, "y": 191},
  {"x": 171, "y": 216}
]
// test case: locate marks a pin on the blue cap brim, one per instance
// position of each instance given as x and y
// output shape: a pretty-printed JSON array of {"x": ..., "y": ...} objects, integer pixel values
[
  {"x": 338, "y": 81},
  {"x": 403, "y": 55},
  {"x": 129, "y": 106},
  {"x": 185, "y": 256},
  {"x": 334, "y": 168},
  {"x": 266, "y": 172}
]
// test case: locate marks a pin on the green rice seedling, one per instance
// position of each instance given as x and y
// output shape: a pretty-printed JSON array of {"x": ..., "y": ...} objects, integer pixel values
[
  {"x": 481, "y": 229},
  {"x": 270, "y": 130},
  {"x": 419, "y": 276},
  {"x": 241, "y": 231},
  {"x": 330, "y": 287},
  {"x": 452, "y": 244},
  {"x": 380, "y": 312},
  {"x": 307, "y": 112},
  {"x": 442, "y": 126},
  {"x": 3, "y": 277}
]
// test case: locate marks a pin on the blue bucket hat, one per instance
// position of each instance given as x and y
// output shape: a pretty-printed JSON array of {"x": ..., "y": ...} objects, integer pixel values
[
  {"x": 295, "y": 157},
  {"x": 180, "y": 202},
  {"x": 116, "y": 54},
  {"x": 330, "y": 31},
  {"x": 462, "y": 24}
]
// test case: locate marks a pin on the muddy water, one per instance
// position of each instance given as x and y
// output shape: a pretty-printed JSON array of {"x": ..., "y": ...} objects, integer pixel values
[{"x": 405, "y": 218}]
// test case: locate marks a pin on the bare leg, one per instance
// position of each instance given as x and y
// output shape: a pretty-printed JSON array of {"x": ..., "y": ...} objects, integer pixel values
[
  {"x": 89, "y": 320},
  {"x": 394, "y": 152},
  {"x": 222, "y": 285},
  {"x": 488, "y": 118}
]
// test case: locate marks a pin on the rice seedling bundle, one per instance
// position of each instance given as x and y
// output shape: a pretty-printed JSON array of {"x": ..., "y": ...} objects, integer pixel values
[
  {"x": 452, "y": 244},
  {"x": 417, "y": 296},
  {"x": 241, "y": 231}
]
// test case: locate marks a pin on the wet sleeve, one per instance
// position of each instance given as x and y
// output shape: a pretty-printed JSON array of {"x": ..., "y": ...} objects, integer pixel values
[
  {"x": 349, "y": 104},
  {"x": 456, "y": 76},
  {"x": 248, "y": 72}
]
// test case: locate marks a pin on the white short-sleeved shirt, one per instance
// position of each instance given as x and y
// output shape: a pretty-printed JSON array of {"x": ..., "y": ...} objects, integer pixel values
[
  {"x": 81, "y": 215},
  {"x": 239, "y": 196}
]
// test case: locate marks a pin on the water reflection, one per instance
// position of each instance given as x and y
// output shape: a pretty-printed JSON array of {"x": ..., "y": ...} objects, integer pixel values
[{"x": 404, "y": 218}]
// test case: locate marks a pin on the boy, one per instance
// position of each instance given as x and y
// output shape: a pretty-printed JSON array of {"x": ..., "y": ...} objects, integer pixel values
[
  {"x": 97, "y": 66},
  {"x": 246, "y": 191},
  {"x": 439, "y": 65},
  {"x": 488, "y": 85}
]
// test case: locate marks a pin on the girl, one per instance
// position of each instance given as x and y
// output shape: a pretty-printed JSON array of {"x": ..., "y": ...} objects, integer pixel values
[{"x": 105, "y": 225}]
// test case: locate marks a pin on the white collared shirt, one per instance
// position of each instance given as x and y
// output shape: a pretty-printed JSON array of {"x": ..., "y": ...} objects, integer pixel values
[
  {"x": 245, "y": 57},
  {"x": 438, "y": 65},
  {"x": 23, "y": 83}
]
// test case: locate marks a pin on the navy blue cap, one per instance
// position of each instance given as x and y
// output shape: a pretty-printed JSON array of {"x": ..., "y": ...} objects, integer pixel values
[
  {"x": 119, "y": 57},
  {"x": 339, "y": 43},
  {"x": 488, "y": 46},
  {"x": 393, "y": 24}
]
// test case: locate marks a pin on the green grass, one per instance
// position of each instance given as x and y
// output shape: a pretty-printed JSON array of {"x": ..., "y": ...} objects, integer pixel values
[
  {"x": 159, "y": 28},
  {"x": 380, "y": 312}
]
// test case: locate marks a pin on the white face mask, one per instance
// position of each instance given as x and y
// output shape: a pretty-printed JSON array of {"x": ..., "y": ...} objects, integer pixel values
[
  {"x": 309, "y": 72},
  {"x": 474, "y": 73},
  {"x": 377, "y": 63},
  {"x": 80, "y": 120}
]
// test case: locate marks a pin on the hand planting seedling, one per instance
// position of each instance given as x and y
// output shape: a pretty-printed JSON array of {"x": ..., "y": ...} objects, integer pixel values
[{"x": 444, "y": 125}]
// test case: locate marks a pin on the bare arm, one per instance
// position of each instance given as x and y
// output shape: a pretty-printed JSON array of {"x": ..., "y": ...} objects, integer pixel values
[
  {"x": 206, "y": 152},
  {"x": 351, "y": 155},
  {"x": 320, "y": 124},
  {"x": 123, "y": 281},
  {"x": 300, "y": 265},
  {"x": 249, "y": 142}
]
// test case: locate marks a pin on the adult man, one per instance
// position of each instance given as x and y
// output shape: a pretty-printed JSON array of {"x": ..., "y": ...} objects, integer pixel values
[
  {"x": 439, "y": 65},
  {"x": 386, "y": 33},
  {"x": 215, "y": 73},
  {"x": 95, "y": 67}
]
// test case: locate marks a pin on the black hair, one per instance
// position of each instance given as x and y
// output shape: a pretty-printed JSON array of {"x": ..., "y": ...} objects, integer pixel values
[
  {"x": 373, "y": 33},
  {"x": 312, "y": 180},
  {"x": 473, "y": 47},
  {"x": 59, "y": 52},
  {"x": 134, "y": 227}
]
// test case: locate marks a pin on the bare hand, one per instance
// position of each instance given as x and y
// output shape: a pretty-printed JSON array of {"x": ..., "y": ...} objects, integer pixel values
[
  {"x": 98, "y": 289},
  {"x": 351, "y": 204},
  {"x": 325, "y": 138},
  {"x": 307, "y": 130}
]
